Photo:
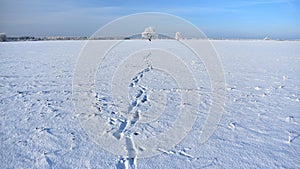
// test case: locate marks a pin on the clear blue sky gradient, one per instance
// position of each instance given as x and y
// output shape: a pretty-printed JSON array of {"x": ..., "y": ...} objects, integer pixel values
[{"x": 278, "y": 19}]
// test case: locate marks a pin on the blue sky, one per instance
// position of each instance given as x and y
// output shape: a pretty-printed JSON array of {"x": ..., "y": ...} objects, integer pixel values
[{"x": 217, "y": 19}]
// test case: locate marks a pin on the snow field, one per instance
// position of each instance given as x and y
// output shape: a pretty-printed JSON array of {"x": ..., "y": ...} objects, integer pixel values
[{"x": 259, "y": 129}]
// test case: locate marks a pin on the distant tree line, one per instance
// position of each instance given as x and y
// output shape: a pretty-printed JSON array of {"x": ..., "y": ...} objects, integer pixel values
[
  {"x": 149, "y": 34},
  {"x": 4, "y": 38}
]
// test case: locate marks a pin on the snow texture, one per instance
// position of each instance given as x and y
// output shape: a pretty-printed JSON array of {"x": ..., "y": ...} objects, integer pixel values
[{"x": 259, "y": 129}]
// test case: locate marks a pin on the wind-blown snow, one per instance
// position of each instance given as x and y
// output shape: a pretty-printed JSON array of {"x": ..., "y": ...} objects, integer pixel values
[{"x": 259, "y": 129}]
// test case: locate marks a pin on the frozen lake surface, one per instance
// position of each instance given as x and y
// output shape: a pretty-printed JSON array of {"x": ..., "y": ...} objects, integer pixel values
[{"x": 260, "y": 127}]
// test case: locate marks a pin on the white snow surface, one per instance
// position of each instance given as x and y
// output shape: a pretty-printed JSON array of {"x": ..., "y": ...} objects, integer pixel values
[{"x": 260, "y": 127}]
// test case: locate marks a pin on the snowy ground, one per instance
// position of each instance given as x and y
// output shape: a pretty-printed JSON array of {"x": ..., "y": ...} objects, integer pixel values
[{"x": 260, "y": 127}]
